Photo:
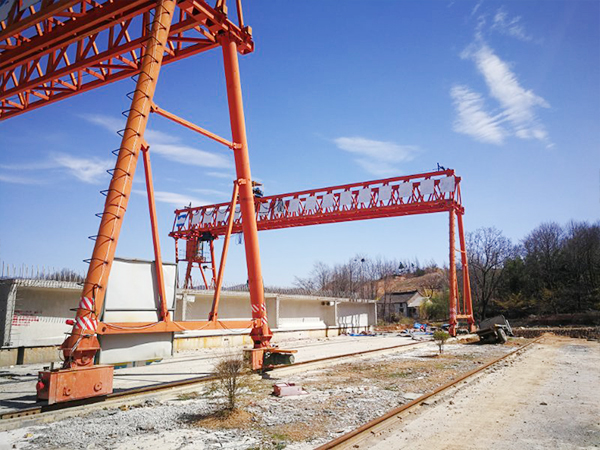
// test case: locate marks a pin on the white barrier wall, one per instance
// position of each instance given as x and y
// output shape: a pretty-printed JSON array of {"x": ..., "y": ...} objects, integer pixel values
[
  {"x": 285, "y": 312},
  {"x": 354, "y": 315},
  {"x": 34, "y": 313}
]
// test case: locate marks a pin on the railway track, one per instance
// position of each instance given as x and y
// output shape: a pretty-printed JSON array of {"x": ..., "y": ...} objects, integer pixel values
[
  {"x": 360, "y": 436},
  {"x": 44, "y": 413}
]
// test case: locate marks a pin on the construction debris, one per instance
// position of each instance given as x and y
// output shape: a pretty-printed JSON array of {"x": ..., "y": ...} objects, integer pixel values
[{"x": 288, "y": 389}]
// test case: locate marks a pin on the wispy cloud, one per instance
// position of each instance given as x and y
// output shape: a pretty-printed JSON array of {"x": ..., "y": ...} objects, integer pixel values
[
  {"x": 228, "y": 175},
  {"x": 510, "y": 26},
  {"x": 515, "y": 107},
  {"x": 377, "y": 157},
  {"x": 518, "y": 104},
  {"x": 40, "y": 165},
  {"x": 20, "y": 180},
  {"x": 190, "y": 156},
  {"x": 109, "y": 123},
  {"x": 88, "y": 170},
  {"x": 472, "y": 118},
  {"x": 476, "y": 8},
  {"x": 214, "y": 192},
  {"x": 167, "y": 145},
  {"x": 173, "y": 198}
]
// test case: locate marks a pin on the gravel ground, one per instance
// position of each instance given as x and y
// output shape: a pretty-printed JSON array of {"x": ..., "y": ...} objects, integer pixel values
[
  {"x": 339, "y": 399},
  {"x": 547, "y": 398}
]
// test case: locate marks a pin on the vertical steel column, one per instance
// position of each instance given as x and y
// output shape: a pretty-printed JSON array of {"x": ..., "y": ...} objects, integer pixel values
[
  {"x": 452, "y": 275},
  {"x": 213, "y": 280},
  {"x": 203, "y": 275},
  {"x": 214, "y": 312},
  {"x": 187, "y": 284},
  {"x": 80, "y": 347},
  {"x": 466, "y": 276},
  {"x": 160, "y": 278},
  {"x": 261, "y": 334}
]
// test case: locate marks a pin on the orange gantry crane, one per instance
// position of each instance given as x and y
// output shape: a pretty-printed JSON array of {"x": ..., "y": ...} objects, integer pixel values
[
  {"x": 54, "y": 49},
  {"x": 51, "y": 50},
  {"x": 425, "y": 193}
]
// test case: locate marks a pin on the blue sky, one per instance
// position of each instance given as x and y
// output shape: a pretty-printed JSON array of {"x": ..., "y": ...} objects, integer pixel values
[{"x": 506, "y": 93}]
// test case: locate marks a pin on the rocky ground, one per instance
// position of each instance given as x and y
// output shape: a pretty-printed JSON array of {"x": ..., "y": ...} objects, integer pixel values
[
  {"x": 339, "y": 399},
  {"x": 546, "y": 399}
]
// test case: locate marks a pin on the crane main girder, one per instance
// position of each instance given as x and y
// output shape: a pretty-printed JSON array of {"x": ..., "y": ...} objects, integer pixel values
[
  {"x": 400, "y": 196},
  {"x": 56, "y": 49}
]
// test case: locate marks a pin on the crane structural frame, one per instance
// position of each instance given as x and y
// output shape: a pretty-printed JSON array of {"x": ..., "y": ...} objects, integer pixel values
[
  {"x": 51, "y": 50},
  {"x": 424, "y": 193}
]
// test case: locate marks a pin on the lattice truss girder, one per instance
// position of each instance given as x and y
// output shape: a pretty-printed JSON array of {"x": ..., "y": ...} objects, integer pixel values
[
  {"x": 414, "y": 194},
  {"x": 58, "y": 48}
]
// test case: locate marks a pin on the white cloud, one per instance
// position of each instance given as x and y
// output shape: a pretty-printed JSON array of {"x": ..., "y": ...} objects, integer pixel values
[
  {"x": 190, "y": 156},
  {"x": 88, "y": 170},
  {"x": 44, "y": 165},
  {"x": 211, "y": 192},
  {"x": 175, "y": 199},
  {"x": 472, "y": 119},
  {"x": 166, "y": 145},
  {"x": 518, "y": 104},
  {"x": 158, "y": 137},
  {"x": 476, "y": 8},
  {"x": 19, "y": 180},
  {"x": 510, "y": 26},
  {"x": 107, "y": 122},
  {"x": 377, "y": 157},
  {"x": 228, "y": 175}
]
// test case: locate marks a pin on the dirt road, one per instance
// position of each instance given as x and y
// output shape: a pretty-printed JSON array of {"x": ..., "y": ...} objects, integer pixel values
[{"x": 548, "y": 398}]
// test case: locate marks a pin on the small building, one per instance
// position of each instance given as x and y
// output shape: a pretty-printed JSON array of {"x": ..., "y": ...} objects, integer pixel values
[{"x": 400, "y": 304}]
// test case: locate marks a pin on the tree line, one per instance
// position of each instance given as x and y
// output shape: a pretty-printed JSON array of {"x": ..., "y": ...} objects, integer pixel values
[{"x": 555, "y": 269}]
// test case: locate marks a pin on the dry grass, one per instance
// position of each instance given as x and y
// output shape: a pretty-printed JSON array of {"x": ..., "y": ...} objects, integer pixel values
[
  {"x": 298, "y": 431},
  {"x": 396, "y": 375},
  {"x": 225, "y": 419}
]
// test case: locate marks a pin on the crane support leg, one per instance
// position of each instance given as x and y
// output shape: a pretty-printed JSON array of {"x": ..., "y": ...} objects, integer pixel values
[
  {"x": 261, "y": 333},
  {"x": 468, "y": 304},
  {"x": 214, "y": 312},
  {"x": 80, "y": 347},
  {"x": 452, "y": 274}
]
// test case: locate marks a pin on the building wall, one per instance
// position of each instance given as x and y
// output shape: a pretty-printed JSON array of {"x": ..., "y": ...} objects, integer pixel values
[
  {"x": 34, "y": 315},
  {"x": 352, "y": 315},
  {"x": 298, "y": 314}
]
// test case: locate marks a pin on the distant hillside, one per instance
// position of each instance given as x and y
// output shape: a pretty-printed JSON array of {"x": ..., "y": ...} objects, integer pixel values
[{"x": 426, "y": 284}]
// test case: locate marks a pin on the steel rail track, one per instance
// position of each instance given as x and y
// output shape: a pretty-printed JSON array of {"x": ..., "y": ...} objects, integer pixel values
[
  {"x": 128, "y": 394},
  {"x": 354, "y": 438}
]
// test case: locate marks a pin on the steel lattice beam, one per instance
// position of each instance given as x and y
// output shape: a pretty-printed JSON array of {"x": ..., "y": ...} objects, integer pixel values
[
  {"x": 390, "y": 197},
  {"x": 68, "y": 47}
]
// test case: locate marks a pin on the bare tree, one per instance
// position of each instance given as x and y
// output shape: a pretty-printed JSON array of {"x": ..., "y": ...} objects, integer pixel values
[
  {"x": 544, "y": 256},
  {"x": 228, "y": 371},
  {"x": 488, "y": 250}
]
